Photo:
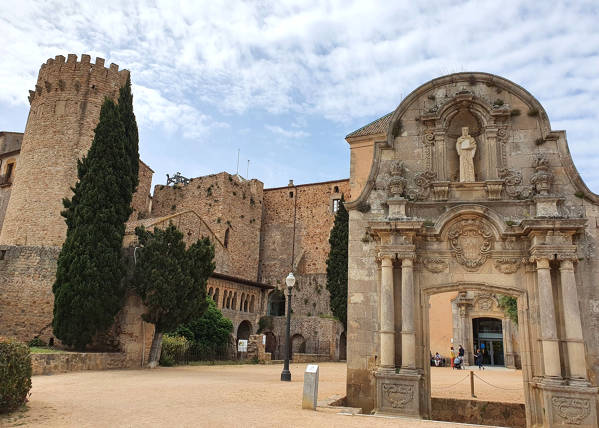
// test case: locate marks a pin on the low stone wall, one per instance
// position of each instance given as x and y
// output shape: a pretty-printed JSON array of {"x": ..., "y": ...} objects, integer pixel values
[
  {"x": 479, "y": 412},
  {"x": 309, "y": 358},
  {"x": 47, "y": 364}
]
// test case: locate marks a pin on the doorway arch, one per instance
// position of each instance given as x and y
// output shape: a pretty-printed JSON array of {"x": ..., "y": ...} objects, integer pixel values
[
  {"x": 244, "y": 330},
  {"x": 276, "y": 304}
]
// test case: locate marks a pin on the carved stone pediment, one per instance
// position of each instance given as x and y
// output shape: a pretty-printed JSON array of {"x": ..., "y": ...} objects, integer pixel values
[
  {"x": 398, "y": 395},
  {"x": 470, "y": 242},
  {"x": 572, "y": 410}
]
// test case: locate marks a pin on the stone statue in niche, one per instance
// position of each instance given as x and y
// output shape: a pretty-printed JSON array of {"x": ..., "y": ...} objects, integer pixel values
[{"x": 466, "y": 148}]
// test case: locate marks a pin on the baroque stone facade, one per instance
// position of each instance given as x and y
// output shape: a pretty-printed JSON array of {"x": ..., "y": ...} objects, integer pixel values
[{"x": 524, "y": 225}]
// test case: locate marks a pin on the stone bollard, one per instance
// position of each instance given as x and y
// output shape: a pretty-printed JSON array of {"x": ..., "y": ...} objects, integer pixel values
[{"x": 310, "y": 396}]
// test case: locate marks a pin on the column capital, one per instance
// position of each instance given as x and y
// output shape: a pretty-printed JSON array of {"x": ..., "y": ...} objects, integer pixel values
[
  {"x": 563, "y": 257},
  {"x": 385, "y": 257},
  {"x": 542, "y": 262},
  {"x": 407, "y": 261}
]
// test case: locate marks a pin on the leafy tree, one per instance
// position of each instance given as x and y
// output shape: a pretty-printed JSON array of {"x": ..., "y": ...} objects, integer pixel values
[
  {"x": 171, "y": 280},
  {"x": 131, "y": 134},
  {"x": 509, "y": 305},
  {"x": 337, "y": 264},
  {"x": 89, "y": 286},
  {"x": 212, "y": 329}
]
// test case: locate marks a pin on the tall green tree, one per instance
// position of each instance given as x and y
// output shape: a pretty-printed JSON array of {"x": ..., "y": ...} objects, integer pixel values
[
  {"x": 337, "y": 264},
  {"x": 89, "y": 286},
  {"x": 171, "y": 280},
  {"x": 131, "y": 134}
]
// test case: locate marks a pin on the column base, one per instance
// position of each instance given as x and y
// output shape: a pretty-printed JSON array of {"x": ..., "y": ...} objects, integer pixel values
[
  {"x": 569, "y": 405},
  {"x": 398, "y": 393}
]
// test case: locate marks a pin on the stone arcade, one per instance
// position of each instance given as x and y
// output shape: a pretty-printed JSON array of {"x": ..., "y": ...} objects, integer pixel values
[{"x": 469, "y": 190}]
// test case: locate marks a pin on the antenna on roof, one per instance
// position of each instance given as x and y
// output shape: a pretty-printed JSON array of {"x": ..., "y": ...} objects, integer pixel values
[
  {"x": 237, "y": 173},
  {"x": 247, "y": 172}
]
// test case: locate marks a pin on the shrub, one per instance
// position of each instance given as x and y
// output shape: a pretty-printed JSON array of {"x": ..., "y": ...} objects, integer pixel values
[
  {"x": 172, "y": 346},
  {"x": 15, "y": 374},
  {"x": 36, "y": 341}
]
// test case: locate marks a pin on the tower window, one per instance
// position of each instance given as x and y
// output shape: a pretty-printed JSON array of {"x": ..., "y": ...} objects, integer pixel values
[
  {"x": 291, "y": 194},
  {"x": 336, "y": 189},
  {"x": 9, "y": 169}
]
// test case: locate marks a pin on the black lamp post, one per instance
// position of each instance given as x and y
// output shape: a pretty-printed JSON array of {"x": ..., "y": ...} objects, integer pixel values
[{"x": 286, "y": 374}]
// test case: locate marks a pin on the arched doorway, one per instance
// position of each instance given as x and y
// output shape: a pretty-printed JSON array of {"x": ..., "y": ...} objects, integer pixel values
[
  {"x": 298, "y": 345},
  {"x": 342, "y": 347},
  {"x": 276, "y": 304},
  {"x": 487, "y": 335},
  {"x": 244, "y": 330},
  {"x": 271, "y": 344}
]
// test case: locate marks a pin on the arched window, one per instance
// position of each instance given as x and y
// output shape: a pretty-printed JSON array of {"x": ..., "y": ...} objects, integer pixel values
[
  {"x": 276, "y": 304},
  {"x": 210, "y": 291},
  {"x": 226, "y": 238},
  {"x": 245, "y": 305},
  {"x": 241, "y": 302},
  {"x": 234, "y": 302},
  {"x": 215, "y": 297},
  {"x": 252, "y": 304}
]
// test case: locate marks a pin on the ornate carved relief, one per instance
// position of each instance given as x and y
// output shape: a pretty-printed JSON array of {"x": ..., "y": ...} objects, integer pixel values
[
  {"x": 428, "y": 141},
  {"x": 484, "y": 303},
  {"x": 502, "y": 136},
  {"x": 434, "y": 264},
  {"x": 572, "y": 410},
  {"x": 507, "y": 265},
  {"x": 543, "y": 177},
  {"x": 513, "y": 183},
  {"x": 398, "y": 395},
  {"x": 470, "y": 241},
  {"x": 423, "y": 182},
  {"x": 397, "y": 182}
]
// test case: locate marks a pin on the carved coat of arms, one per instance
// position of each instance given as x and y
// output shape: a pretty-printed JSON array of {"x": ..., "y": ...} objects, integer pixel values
[
  {"x": 470, "y": 241},
  {"x": 572, "y": 410}
]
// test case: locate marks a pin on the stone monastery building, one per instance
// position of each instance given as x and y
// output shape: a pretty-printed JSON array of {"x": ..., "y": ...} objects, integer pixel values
[
  {"x": 461, "y": 195},
  {"x": 260, "y": 235}
]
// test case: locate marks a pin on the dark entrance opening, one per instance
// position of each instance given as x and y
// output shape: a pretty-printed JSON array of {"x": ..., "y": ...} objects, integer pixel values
[
  {"x": 342, "y": 347},
  {"x": 276, "y": 304},
  {"x": 488, "y": 337},
  {"x": 244, "y": 330}
]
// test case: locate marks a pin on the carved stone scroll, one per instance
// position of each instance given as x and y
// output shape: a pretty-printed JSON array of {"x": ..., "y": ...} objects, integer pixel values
[
  {"x": 398, "y": 395},
  {"x": 573, "y": 411},
  {"x": 507, "y": 265},
  {"x": 434, "y": 264}
]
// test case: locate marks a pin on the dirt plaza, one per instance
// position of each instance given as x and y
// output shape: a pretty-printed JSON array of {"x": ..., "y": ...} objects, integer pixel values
[{"x": 223, "y": 396}]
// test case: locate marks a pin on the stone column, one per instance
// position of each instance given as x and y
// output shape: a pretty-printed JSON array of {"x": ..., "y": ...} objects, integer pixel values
[
  {"x": 408, "y": 334},
  {"x": 387, "y": 330},
  {"x": 573, "y": 327},
  {"x": 491, "y": 136},
  {"x": 508, "y": 347},
  {"x": 548, "y": 326}
]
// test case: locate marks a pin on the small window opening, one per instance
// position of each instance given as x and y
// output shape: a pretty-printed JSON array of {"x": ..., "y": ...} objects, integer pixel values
[
  {"x": 2, "y": 254},
  {"x": 291, "y": 194},
  {"x": 227, "y": 238},
  {"x": 336, "y": 189},
  {"x": 9, "y": 169}
]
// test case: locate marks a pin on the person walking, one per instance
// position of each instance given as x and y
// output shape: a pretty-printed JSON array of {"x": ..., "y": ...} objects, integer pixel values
[
  {"x": 452, "y": 355},
  {"x": 461, "y": 351},
  {"x": 479, "y": 359}
]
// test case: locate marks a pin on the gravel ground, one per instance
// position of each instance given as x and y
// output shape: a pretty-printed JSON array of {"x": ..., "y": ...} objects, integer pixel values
[{"x": 219, "y": 396}]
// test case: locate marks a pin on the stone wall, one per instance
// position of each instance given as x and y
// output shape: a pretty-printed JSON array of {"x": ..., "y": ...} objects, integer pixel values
[
  {"x": 10, "y": 146},
  {"x": 47, "y": 364},
  {"x": 65, "y": 108},
  {"x": 297, "y": 221},
  {"x": 309, "y": 335},
  {"x": 232, "y": 208},
  {"x": 141, "y": 198},
  {"x": 193, "y": 228},
  {"x": 26, "y": 299},
  {"x": 478, "y": 412}
]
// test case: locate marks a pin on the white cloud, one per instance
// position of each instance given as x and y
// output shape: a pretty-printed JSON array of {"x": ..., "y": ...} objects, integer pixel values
[
  {"x": 340, "y": 60},
  {"x": 286, "y": 133}
]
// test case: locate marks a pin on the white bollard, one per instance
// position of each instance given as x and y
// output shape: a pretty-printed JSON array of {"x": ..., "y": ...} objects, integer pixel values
[{"x": 310, "y": 397}]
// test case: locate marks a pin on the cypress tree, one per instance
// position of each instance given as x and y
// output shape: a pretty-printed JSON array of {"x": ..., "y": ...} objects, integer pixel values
[
  {"x": 171, "y": 280},
  {"x": 131, "y": 135},
  {"x": 89, "y": 286},
  {"x": 337, "y": 264}
]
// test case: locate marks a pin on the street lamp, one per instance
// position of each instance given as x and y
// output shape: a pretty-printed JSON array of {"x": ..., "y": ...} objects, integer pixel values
[{"x": 286, "y": 374}]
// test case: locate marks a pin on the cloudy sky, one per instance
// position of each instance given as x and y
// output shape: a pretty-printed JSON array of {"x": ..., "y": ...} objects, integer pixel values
[{"x": 285, "y": 81}]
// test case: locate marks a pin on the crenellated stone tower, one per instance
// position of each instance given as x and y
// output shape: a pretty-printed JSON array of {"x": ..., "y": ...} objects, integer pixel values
[{"x": 65, "y": 109}]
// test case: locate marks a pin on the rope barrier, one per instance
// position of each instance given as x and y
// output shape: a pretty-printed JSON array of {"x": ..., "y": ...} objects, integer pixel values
[
  {"x": 454, "y": 384},
  {"x": 498, "y": 387}
]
